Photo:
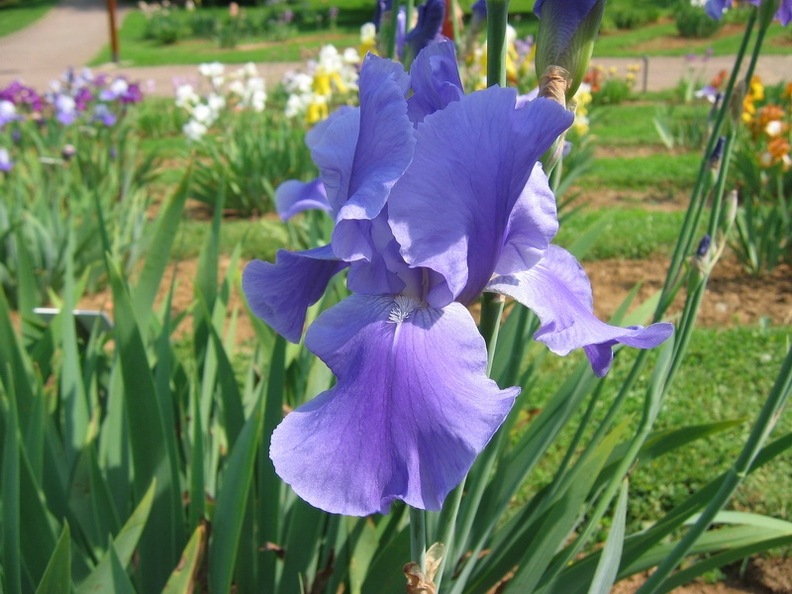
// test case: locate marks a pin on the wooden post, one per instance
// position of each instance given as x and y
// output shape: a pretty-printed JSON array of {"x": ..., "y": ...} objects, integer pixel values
[{"x": 111, "y": 11}]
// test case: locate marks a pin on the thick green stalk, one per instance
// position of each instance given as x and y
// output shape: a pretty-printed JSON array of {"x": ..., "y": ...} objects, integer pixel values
[
  {"x": 489, "y": 326},
  {"x": 497, "y": 20},
  {"x": 418, "y": 537}
]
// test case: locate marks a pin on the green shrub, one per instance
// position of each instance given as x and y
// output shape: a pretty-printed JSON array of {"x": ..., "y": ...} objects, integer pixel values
[{"x": 692, "y": 22}]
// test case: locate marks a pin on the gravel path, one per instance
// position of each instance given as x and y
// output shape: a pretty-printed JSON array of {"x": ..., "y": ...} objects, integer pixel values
[{"x": 74, "y": 31}]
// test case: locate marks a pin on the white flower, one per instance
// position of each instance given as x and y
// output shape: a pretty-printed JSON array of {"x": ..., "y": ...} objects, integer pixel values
[
  {"x": 216, "y": 103},
  {"x": 186, "y": 96},
  {"x": 194, "y": 130},
  {"x": 296, "y": 105},
  {"x": 202, "y": 114},
  {"x": 774, "y": 128},
  {"x": 351, "y": 56},
  {"x": 7, "y": 110},
  {"x": 119, "y": 86},
  {"x": 368, "y": 34}
]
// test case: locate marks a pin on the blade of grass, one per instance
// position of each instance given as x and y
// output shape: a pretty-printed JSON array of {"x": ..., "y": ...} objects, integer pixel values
[
  {"x": 183, "y": 578},
  {"x": 102, "y": 577},
  {"x": 57, "y": 576}
]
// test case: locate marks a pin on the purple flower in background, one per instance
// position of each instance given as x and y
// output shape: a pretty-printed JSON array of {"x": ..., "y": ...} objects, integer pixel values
[
  {"x": 380, "y": 8},
  {"x": 20, "y": 95},
  {"x": 427, "y": 29},
  {"x": 716, "y": 8},
  {"x": 82, "y": 98},
  {"x": 103, "y": 114},
  {"x": 7, "y": 113},
  {"x": 425, "y": 220},
  {"x": 5, "y": 160},
  {"x": 65, "y": 109}
]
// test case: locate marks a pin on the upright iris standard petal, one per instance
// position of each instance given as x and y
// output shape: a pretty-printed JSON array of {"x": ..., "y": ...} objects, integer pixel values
[
  {"x": 450, "y": 211},
  {"x": 294, "y": 196},
  {"x": 558, "y": 291},
  {"x": 362, "y": 152},
  {"x": 281, "y": 293},
  {"x": 430, "y": 22},
  {"x": 412, "y": 408},
  {"x": 435, "y": 81}
]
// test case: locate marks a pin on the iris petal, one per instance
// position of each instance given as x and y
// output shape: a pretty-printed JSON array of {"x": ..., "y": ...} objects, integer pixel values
[
  {"x": 294, "y": 196},
  {"x": 435, "y": 80},
  {"x": 281, "y": 293},
  {"x": 450, "y": 211},
  {"x": 411, "y": 410},
  {"x": 362, "y": 153},
  {"x": 558, "y": 291}
]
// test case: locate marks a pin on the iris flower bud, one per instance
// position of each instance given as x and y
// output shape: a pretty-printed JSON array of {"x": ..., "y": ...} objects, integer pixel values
[{"x": 567, "y": 31}]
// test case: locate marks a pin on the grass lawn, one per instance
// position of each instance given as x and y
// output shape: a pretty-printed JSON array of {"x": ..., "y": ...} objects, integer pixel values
[
  {"x": 16, "y": 15},
  {"x": 727, "y": 375}
]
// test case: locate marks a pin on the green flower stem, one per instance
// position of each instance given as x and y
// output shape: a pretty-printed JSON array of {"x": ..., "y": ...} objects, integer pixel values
[
  {"x": 720, "y": 188},
  {"x": 497, "y": 20},
  {"x": 761, "y": 430},
  {"x": 764, "y": 24},
  {"x": 418, "y": 537},
  {"x": 447, "y": 529},
  {"x": 688, "y": 226},
  {"x": 489, "y": 326}
]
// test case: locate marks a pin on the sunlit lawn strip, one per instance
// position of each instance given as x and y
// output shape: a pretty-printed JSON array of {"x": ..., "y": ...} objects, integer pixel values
[
  {"x": 727, "y": 376},
  {"x": 661, "y": 39},
  {"x": 138, "y": 51},
  {"x": 18, "y": 16}
]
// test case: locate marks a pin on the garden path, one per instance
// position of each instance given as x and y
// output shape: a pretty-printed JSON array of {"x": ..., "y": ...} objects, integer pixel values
[{"x": 75, "y": 30}]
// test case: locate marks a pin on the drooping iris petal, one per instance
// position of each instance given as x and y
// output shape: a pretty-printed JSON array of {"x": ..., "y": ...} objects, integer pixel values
[
  {"x": 411, "y": 410},
  {"x": 558, "y": 291},
  {"x": 435, "y": 81},
  {"x": 281, "y": 293},
  {"x": 294, "y": 196},
  {"x": 450, "y": 211},
  {"x": 532, "y": 224}
]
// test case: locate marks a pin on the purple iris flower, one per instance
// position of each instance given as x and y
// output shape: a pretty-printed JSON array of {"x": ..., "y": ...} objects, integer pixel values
[
  {"x": 103, "y": 114},
  {"x": 19, "y": 95},
  {"x": 82, "y": 98},
  {"x": 427, "y": 29},
  {"x": 716, "y": 8},
  {"x": 425, "y": 220},
  {"x": 66, "y": 110}
]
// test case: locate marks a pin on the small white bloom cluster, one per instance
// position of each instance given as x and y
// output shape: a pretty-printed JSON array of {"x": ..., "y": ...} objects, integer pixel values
[
  {"x": 154, "y": 8},
  {"x": 241, "y": 89},
  {"x": 330, "y": 75}
]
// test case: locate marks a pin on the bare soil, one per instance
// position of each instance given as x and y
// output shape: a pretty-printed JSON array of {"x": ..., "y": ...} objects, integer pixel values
[{"x": 760, "y": 576}]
